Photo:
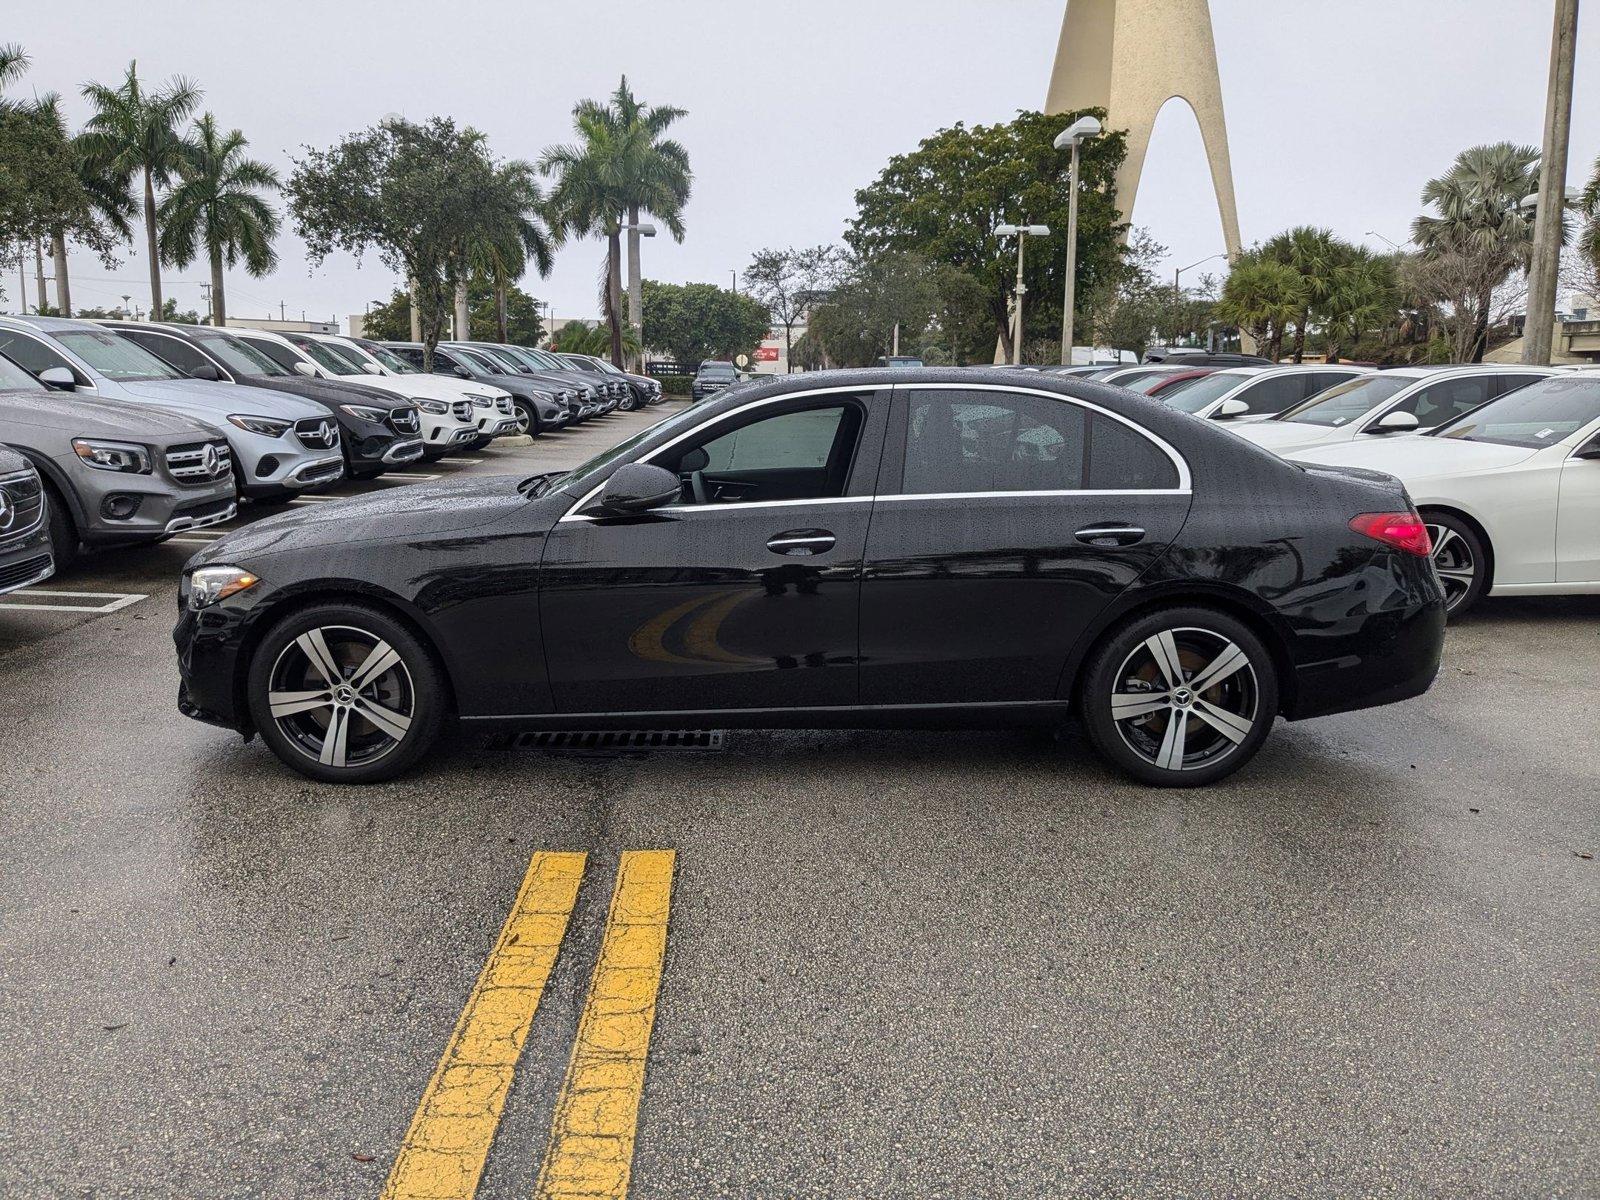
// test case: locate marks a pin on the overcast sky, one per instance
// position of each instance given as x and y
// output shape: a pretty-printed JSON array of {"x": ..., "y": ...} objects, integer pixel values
[{"x": 1337, "y": 113}]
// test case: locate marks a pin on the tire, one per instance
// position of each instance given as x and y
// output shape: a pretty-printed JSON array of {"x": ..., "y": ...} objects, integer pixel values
[
  {"x": 1461, "y": 559},
  {"x": 1226, "y": 722},
  {"x": 528, "y": 418},
  {"x": 65, "y": 544},
  {"x": 409, "y": 695}
]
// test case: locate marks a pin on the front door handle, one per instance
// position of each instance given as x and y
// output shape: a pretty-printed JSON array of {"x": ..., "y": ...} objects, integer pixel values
[
  {"x": 801, "y": 543},
  {"x": 1110, "y": 535}
]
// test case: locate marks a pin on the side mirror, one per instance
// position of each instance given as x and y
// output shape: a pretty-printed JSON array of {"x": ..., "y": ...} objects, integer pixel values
[
  {"x": 206, "y": 372},
  {"x": 639, "y": 487},
  {"x": 371, "y": 368},
  {"x": 459, "y": 372},
  {"x": 1395, "y": 422},
  {"x": 1232, "y": 408},
  {"x": 59, "y": 378},
  {"x": 302, "y": 367}
]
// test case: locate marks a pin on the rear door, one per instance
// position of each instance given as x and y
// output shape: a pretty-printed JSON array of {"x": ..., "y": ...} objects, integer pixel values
[{"x": 1006, "y": 521}]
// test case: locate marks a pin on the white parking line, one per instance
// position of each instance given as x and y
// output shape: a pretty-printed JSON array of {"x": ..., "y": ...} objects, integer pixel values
[
  {"x": 406, "y": 475},
  {"x": 113, "y": 601},
  {"x": 314, "y": 499}
]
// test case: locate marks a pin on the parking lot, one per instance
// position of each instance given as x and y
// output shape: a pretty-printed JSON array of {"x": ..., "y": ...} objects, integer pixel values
[{"x": 897, "y": 964}]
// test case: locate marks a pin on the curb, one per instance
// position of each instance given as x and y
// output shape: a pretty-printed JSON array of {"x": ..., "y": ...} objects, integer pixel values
[{"x": 514, "y": 439}]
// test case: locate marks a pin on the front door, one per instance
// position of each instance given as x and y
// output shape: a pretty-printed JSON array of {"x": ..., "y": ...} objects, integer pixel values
[
  {"x": 1578, "y": 517},
  {"x": 745, "y": 593},
  {"x": 1006, "y": 522}
]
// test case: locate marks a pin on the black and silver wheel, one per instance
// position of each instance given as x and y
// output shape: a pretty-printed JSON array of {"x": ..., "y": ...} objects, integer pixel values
[
  {"x": 527, "y": 418},
  {"x": 1460, "y": 560},
  {"x": 1180, "y": 698},
  {"x": 345, "y": 693}
]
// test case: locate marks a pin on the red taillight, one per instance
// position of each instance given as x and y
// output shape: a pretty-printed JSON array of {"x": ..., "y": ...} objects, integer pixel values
[{"x": 1402, "y": 530}]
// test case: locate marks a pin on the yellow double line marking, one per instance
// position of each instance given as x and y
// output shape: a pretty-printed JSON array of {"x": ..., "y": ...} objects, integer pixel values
[{"x": 590, "y": 1151}]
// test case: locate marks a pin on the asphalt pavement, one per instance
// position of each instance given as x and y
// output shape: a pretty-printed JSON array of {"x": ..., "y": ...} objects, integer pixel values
[{"x": 896, "y": 964}]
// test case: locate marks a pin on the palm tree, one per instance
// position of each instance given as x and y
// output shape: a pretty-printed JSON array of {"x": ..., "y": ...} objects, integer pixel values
[
  {"x": 661, "y": 181},
  {"x": 216, "y": 206},
  {"x": 1480, "y": 217},
  {"x": 512, "y": 234},
  {"x": 134, "y": 135},
  {"x": 1316, "y": 255},
  {"x": 1363, "y": 295},
  {"x": 619, "y": 168},
  {"x": 1262, "y": 296},
  {"x": 14, "y": 62}
]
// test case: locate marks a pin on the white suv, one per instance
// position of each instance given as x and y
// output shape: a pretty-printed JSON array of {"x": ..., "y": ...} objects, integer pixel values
[{"x": 447, "y": 419}]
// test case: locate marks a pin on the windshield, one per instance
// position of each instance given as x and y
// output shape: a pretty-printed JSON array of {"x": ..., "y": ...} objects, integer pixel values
[
  {"x": 14, "y": 378},
  {"x": 719, "y": 370},
  {"x": 389, "y": 359},
  {"x": 116, "y": 358},
  {"x": 1193, "y": 396},
  {"x": 547, "y": 362},
  {"x": 239, "y": 357},
  {"x": 577, "y": 478},
  {"x": 1149, "y": 383},
  {"x": 324, "y": 356},
  {"x": 1344, "y": 402},
  {"x": 1536, "y": 416}
]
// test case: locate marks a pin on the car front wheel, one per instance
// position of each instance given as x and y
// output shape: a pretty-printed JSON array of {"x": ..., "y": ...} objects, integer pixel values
[
  {"x": 346, "y": 694},
  {"x": 1181, "y": 697}
]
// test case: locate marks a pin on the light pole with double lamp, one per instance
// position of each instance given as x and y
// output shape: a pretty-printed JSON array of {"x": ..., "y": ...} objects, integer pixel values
[
  {"x": 1073, "y": 135},
  {"x": 1022, "y": 234}
]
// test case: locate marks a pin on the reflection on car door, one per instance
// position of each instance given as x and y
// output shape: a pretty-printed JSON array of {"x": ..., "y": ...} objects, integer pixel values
[
  {"x": 745, "y": 594},
  {"x": 1578, "y": 518},
  {"x": 1006, "y": 522}
]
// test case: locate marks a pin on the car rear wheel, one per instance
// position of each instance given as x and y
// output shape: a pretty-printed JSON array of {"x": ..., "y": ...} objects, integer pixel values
[
  {"x": 1181, "y": 697},
  {"x": 346, "y": 694},
  {"x": 1461, "y": 560}
]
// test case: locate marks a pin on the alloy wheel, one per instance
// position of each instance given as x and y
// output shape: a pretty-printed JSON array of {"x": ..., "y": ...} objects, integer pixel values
[
  {"x": 1456, "y": 563},
  {"x": 341, "y": 696},
  {"x": 1185, "y": 698},
  {"x": 524, "y": 422}
]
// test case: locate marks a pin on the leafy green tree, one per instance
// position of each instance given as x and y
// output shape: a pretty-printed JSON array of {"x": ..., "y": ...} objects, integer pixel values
[
  {"x": 171, "y": 314},
  {"x": 942, "y": 202},
  {"x": 133, "y": 136},
  {"x": 1478, "y": 227},
  {"x": 1364, "y": 295},
  {"x": 856, "y": 326},
  {"x": 697, "y": 321},
  {"x": 390, "y": 320},
  {"x": 577, "y": 338},
  {"x": 418, "y": 195},
  {"x": 1263, "y": 297},
  {"x": 1315, "y": 255},
  {"x": 216, "y": 208}
]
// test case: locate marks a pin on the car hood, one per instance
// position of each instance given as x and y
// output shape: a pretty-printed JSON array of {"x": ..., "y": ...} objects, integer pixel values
[
  {"x": 426, "y": 387},
  {"x": 215, "y": 401},
  {"x": 78, "y": 415},
  {"x": 415, "y": 511},
  {"x": 11, "y": 461},
  {"x": 327, "y": 392},
  {"x": 1417, "y": 457},
  {"x": 1284, "y": 436}
]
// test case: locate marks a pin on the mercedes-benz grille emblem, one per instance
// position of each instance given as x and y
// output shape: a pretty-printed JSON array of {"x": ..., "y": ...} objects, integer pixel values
[
  {"x": 325, "y": 433},
  {"x": 210, "y": 460},
  {"x": 8, "y": 512}
]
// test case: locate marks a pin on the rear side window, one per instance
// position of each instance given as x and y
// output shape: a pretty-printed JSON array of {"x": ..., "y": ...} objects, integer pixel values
[
  {"x": 1274, "y": 394},
  {"x": 175, "y": 350},
  {"x": 1510, "y": 383},
  {"x": 970, "y": 442},
  {"x": 1448, "y": 399}
]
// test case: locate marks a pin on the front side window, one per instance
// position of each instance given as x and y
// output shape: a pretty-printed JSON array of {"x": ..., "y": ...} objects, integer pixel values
[
  {"x": 804, "y": 454},
  {"x": 485, "y": 365},
  {"x": 1191, "y": 397},
  {"x": 15, "y": 378},
  {"x": 114, "y": 357},
  {"x": 389, "y": 358},
  {"x": 1536, "y": 416},
  {"x": 1442, "y": 402},
  {"x": 326, "y": 357},
  {"x": 170, "y": 349},
  {"x": 1275, "y": 393},
  {"x": 33, "y": 355},
  {"x": 1345, "y": 402},
  {"x": 282, "y": 355}
]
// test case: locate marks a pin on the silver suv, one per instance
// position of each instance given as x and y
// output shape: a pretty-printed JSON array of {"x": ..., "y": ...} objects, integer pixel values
[
  {"x": 281, "y": 443},
  {"x": 115, "y": 475},
  {"x": 24, "y": 546}
]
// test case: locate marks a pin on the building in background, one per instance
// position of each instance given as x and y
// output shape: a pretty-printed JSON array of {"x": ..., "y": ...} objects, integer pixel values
[{"x": 279, "y": 325}]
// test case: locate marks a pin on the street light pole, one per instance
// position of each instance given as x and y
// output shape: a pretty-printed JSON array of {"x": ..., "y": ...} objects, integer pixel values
[
  {"x": 1022, "y": 233},
  {"x": 1083, "y": 127},
  {"x": 1539, "y": 329}
]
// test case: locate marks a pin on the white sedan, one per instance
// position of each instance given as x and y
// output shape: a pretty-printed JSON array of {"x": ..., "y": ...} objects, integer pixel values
[
  {"x": 1255, "y": 393},
  {"x": 1510, "y": 492},
  {"x": 1387, "y": 404}
]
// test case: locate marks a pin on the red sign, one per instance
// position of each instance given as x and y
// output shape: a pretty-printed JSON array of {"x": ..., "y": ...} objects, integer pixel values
[{"x": 766, "y": 354}]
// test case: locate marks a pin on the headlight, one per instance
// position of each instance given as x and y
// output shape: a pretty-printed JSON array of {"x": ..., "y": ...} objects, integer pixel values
[
  {"x": 482, "y": 401},
  {"x": 208, "y": 585},
  {"x": 363, "y": 413},
  {"x": 127, "y": 457},
  {"x": 437, "y": 407},
  {"x": 265, "y": 426}
]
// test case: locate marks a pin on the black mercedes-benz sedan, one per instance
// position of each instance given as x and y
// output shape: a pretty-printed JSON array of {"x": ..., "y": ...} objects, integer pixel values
[{"x": 923, "y": 548}]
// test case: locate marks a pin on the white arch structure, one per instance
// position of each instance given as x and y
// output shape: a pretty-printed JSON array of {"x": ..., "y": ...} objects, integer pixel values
[{"x": 1130, "y": 57}]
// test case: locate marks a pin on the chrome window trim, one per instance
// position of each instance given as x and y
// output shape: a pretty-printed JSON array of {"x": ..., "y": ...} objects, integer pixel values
[{"x": 1185, "y": 479}]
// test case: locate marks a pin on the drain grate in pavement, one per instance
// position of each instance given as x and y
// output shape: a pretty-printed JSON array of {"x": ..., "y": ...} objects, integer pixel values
[{"x": 614, "y": 741}]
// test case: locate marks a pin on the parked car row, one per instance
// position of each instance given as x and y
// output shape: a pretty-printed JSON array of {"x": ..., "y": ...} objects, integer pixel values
[
  {"x": 132, "y": 432},
  {"x": 1502, "y": 461}
]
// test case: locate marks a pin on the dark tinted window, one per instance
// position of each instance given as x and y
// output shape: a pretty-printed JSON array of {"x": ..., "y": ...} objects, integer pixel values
[
  {"x": 174, "y": 349},
  {"x": 1321, "y": 381},
  {"x": 1122, "y": 459},
  {"x": 1448, "y": 399},
  {"x": 34, "y": 355},
  {"x": 1274, "y": 394},
  {"x": 992, "y": 442},
  {"x": 1510, "y": 383}
]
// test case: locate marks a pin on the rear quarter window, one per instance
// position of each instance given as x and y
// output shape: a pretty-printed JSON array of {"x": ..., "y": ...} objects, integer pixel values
[{"x": 1124, "y": 460}]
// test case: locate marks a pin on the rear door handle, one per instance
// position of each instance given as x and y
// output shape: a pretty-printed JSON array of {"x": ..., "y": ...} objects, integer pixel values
[
  {"x": 1110, "y": 535},
  {"x": 801, "y": 543}
]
